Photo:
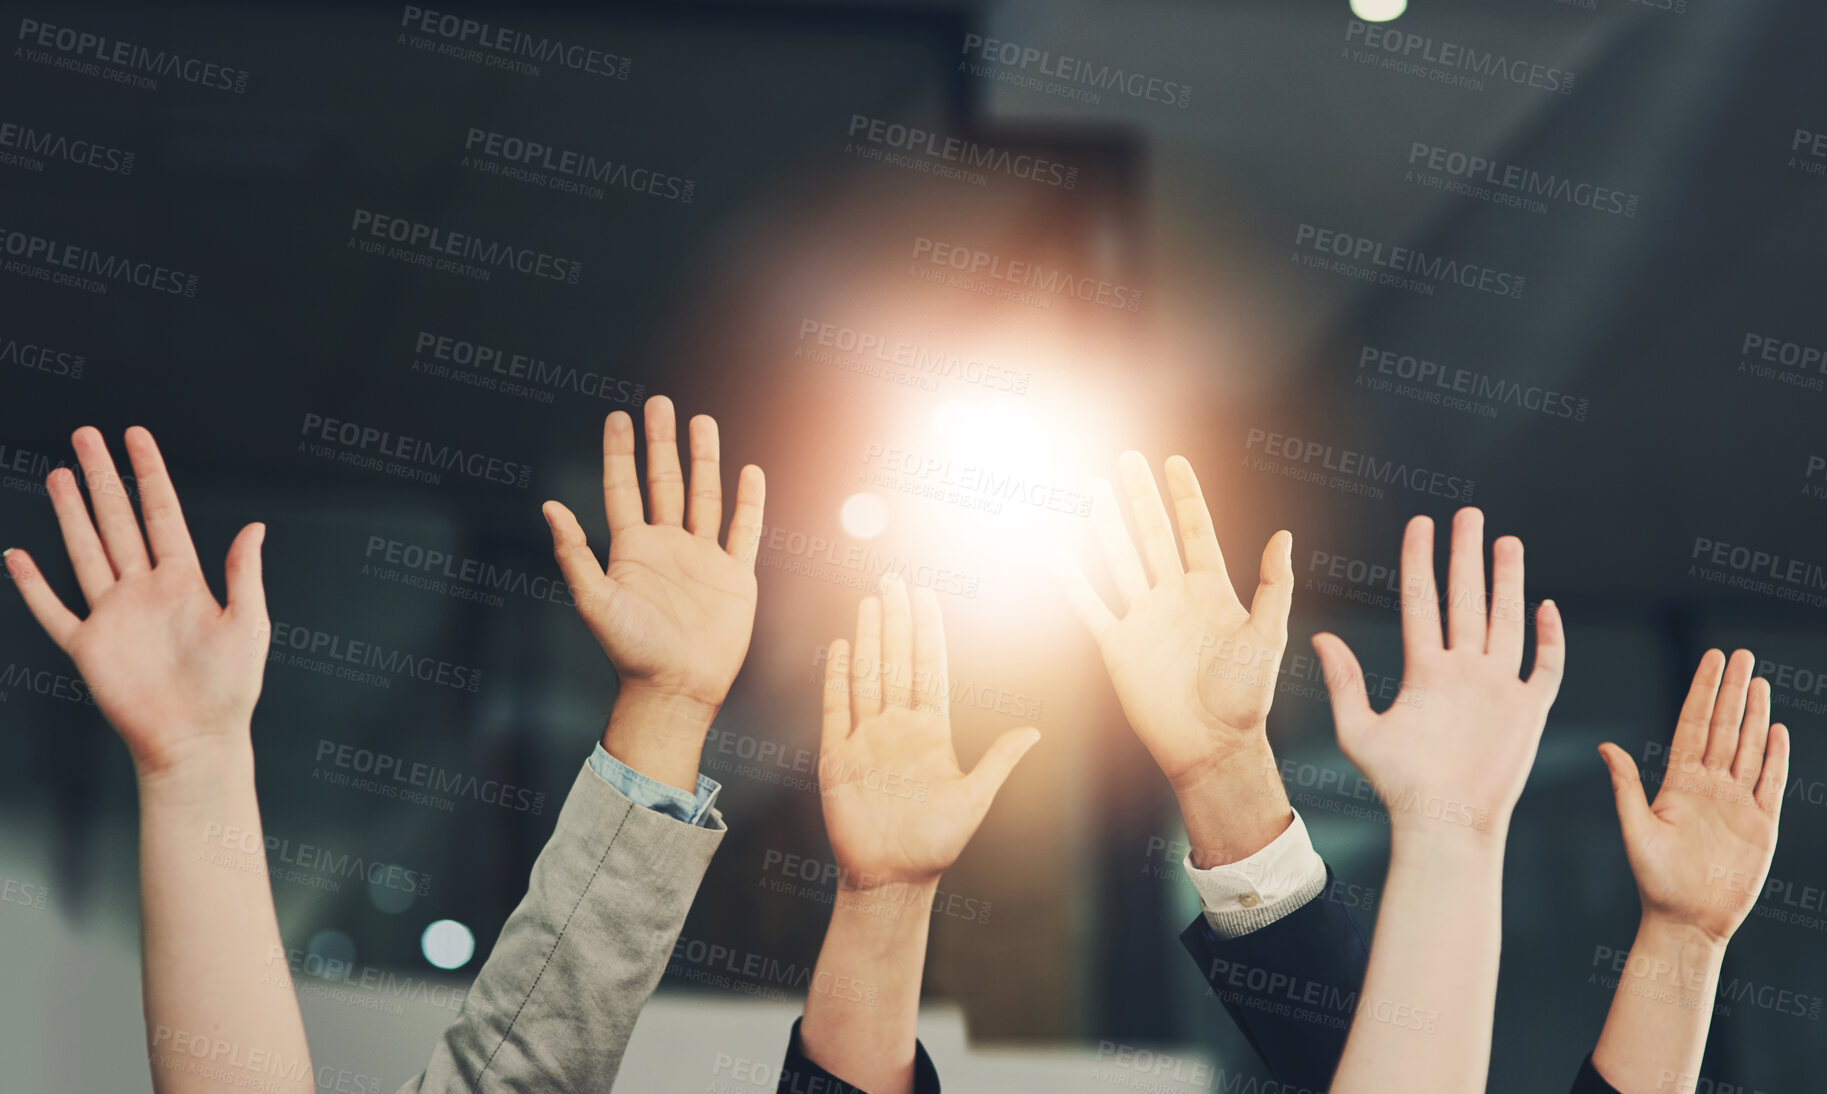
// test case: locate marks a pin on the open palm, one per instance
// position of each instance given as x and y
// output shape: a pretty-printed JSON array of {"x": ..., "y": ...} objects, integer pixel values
[
  {"x": 673, "y": 610},
  {"x": 171, "y": 669},
  {"x": 1457, "y": 745},
  {"x": 898, "y": 808},
  {"x": 1194, "y": 670},
  {"x": 1701, "y": 851}
]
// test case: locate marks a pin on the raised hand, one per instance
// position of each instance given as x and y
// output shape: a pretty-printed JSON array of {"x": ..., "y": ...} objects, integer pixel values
[
  {"x": 898, "y": 808},
  {"x": 673, "y": 610},
  {"x": 178, "y": 676},
  {"x": 1456, "y": 748},
  {"x": 899, "y": 811},
  {"x": 174, "y": 672},
  {"x": 1449, "y": 760},
  {"x": 1701, "y": 852},
  {"x": 1194, "y": 670}
]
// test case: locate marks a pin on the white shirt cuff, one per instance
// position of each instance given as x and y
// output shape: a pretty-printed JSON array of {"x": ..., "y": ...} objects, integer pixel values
[{"x": 1248, "y": 895}]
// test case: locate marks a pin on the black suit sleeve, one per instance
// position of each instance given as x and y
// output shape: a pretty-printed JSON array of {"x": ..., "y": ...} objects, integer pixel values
[
  {"x": 799, "y": 1075},
  {"x": 1590, "y": 1081},
  {"x": 1292, "y": 986}
]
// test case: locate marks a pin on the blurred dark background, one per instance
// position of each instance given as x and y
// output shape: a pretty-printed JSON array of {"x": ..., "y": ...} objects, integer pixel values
[{"x": 1650, "y": 398}]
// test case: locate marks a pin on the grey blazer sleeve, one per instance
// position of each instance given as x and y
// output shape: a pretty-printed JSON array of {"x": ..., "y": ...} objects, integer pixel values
[{"x": 554, "y": 1005}]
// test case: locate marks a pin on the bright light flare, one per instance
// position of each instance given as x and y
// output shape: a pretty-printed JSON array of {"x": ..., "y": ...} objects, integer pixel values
[
  {"x": 994, "y": 436},
  {"x": 1378, "y": 11},
  {"x": 864, "y": 515}
]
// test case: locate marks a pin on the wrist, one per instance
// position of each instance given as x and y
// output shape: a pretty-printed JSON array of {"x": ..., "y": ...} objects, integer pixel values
[
  {"x": 884, "y": 905},
  {"x": 1448, "y": 841},
  {"x": 1233, "y": 804},
  {"x": 659, "y": 734},
  {"x": 203, "y": 770},
  {"x": 1683, "y": 936}
]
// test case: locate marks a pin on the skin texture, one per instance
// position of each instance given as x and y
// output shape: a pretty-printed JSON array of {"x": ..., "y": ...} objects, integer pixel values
[
  {"x": 1700, "y": 854},
  {"x": 672, "y": 608},
  {"x": 899, "y": 811},
  {"x": 177, "y": 675},
  {"x": 1449, "y": 767},
  {"x": 1193, "y": 668}
]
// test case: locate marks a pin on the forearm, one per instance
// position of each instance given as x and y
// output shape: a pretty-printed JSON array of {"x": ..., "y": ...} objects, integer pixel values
[
  {"x": 864, "y": 1001},
  {"x": 1423, "y": 1023},
  {"x": 1234, "y": 807},
  {"x": 216, "y": 973},
  {"x": 659, "y": 736},
  {"x": 1655, "y": 1034}
]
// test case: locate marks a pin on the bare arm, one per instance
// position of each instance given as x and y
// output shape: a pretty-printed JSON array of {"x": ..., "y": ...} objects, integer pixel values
[
  {"x": 1449, "y": 767},
  {"x": 178, "y": 676},
  {"x": 1700, "y": 855},
  {"x": 899, "y": 812}
]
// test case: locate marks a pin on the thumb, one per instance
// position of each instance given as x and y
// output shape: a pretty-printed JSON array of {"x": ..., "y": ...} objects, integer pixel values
[
  {"x": 994, "y": 768},
  {"x": 1345, "y": 684},
  {"x": 246, "y": 592},
  {"x": 1634, "y": 817},
  {"x": 572, "y": 550}
]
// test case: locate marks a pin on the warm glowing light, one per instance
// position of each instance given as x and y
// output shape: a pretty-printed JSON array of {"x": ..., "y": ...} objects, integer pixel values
[
  {"x": 993, "y": 436},
  {"x": 1378, "y": 11},
  {"x": 864, "y": 515}
]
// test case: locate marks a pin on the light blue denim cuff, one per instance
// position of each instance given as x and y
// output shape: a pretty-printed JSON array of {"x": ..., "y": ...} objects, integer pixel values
[{"x": 656, "y": 796}]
